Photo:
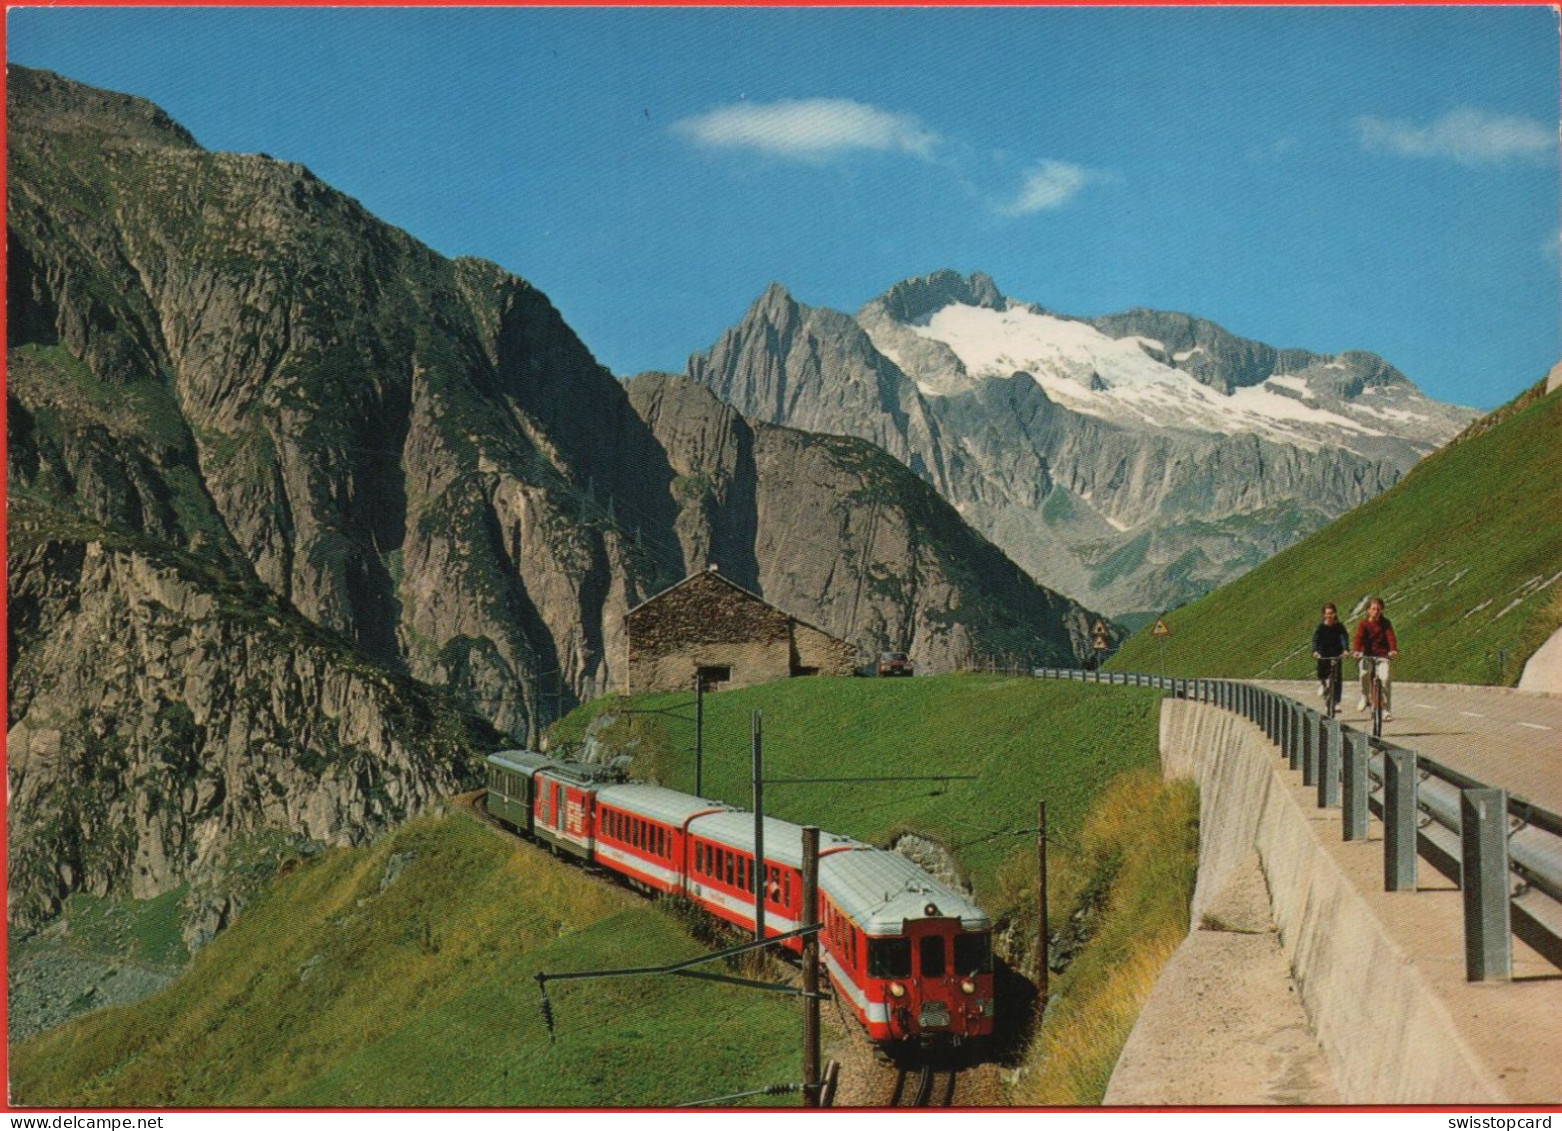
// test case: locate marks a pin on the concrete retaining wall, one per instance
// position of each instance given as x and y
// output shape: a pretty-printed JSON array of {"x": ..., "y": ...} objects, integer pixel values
[{"x": 1375, "y": 971}]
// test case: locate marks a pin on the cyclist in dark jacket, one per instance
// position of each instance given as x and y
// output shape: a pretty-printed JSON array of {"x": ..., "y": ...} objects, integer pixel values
[
  {"x": 1374, "y": 645},
  {"x": 1330, "y": 642}
]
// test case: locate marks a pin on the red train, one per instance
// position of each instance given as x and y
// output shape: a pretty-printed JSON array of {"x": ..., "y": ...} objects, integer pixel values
[{"x": 911, "y": 957}]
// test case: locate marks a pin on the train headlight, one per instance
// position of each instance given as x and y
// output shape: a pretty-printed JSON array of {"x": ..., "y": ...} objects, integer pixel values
[
  {"x": 897, "y": 990},
  {"x": 931, "y": 911},
  {"x": 968, "y": 986}
]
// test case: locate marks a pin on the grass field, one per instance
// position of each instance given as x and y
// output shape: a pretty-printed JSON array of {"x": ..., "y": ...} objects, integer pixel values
[
  {"x": 1466, "y": 551},
  {"x": 1024, "y": 740},
  {"x": 400, "y": 974}
]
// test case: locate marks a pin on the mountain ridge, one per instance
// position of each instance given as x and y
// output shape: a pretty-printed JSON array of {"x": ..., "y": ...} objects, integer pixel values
[{"x": 1218, "y": 452}]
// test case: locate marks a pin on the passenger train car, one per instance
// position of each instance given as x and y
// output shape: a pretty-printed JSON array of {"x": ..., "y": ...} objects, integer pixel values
[{"x": 911, "y": 957}]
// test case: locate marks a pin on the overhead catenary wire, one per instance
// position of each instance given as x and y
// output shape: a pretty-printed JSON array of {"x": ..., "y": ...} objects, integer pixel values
[
  {"x": 895, "y": 778},
  {"x": 682, "y": 969},
  {"x": 768, "y": 1090}
]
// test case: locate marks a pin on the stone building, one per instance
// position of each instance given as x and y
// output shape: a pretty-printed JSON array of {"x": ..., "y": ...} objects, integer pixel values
[{"x": 711, "y": 627}]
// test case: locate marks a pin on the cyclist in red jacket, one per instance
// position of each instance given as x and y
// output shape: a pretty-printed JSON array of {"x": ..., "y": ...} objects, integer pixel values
[{"x": 1374, "y": 645}]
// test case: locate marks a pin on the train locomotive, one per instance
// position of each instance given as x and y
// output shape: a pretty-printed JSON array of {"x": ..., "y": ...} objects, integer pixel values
[{"x": 909, "y": 956}]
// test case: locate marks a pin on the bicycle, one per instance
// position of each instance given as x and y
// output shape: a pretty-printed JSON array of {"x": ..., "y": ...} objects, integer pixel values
[
  {"x": 1376, "y": 693},
  {"x": 1332, "y": 695}
]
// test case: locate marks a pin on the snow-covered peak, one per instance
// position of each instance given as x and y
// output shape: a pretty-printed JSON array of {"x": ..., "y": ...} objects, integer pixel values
[{"x": 1133, "y": 381}]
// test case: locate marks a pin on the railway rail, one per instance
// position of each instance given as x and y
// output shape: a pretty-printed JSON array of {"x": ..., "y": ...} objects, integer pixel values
[{"x": 927, "y": 1086}]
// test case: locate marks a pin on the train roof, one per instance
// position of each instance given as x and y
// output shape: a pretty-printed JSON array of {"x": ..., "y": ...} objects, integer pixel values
[
  {"x": 583, "y": 773},
  {"x": 783, "y": 839},
  {"x": 522, "y": 761},
  {"x": 881, "y": 889},
  {"x": 654, "y": 802},
  {"x": 877, "y": 888}
]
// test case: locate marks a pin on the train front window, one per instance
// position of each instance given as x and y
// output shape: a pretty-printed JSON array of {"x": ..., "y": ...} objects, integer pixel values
[
  {"x": 889, "y": 958},
  {"x": 932, "y": 956},
  {"x": 973, "y": 954}
]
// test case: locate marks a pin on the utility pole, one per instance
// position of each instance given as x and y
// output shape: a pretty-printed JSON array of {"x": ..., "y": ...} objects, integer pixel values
[
  {"x": 533, "y": 713},
  {"x": 1042, "y": 972},
  {"x": 699, "y": 736},
  {"x": 756, "y": 725},
  {"x": 810, "y": 916}
]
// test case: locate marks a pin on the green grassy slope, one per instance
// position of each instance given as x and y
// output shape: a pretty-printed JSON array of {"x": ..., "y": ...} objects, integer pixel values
[
  {"x": 401, "y": 975},
  {"x": 1026, "y": 740},
  {"x": 1462, "y": 550}
]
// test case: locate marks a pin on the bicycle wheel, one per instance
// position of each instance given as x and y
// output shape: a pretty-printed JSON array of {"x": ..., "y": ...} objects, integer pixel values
[{"x": 1377, "y": 706}]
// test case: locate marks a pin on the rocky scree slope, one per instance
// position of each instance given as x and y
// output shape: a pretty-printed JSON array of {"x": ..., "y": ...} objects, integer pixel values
[
  {"x": 1133, "y": 461},
  {"x": 217, "y": 360}
]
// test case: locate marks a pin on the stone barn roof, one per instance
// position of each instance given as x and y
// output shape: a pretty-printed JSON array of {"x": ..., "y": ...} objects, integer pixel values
[{"x": 712, "y": 573}]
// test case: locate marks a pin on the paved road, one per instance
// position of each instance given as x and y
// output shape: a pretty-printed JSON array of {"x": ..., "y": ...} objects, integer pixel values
[{"x": 1509, "y": 739}]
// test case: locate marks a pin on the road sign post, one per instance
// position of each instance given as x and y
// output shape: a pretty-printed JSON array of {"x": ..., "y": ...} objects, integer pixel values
[{"x": 1160, "y": 630}]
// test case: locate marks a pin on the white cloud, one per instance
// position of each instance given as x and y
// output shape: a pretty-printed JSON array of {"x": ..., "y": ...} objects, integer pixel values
[
  {"x": 1469, "y": 136},
  {"x": 808, "y": 129},
  {"x": 1052, "y": 184},
  {"x": 1274, "y": 151}
]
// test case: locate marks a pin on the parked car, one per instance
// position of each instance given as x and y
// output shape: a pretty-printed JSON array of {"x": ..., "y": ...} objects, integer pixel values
[{"x": 895, "y": 663}]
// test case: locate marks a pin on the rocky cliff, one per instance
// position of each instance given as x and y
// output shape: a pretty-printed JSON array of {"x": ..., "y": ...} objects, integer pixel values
[
  {"x": 834, "y": 526},
  {"x": 1133, "y": 461},
  {"x": 220, "y": 351},
  {"x": 304, "y": 492},
  {"x": 172, "y": 727}
]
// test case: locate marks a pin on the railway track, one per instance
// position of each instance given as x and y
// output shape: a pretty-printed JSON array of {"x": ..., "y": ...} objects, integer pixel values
[{"x": 928, "y": 1084}]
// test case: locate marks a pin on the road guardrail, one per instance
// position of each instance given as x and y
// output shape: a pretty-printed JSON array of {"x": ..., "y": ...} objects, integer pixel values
[{"x": 1504, "y": 852}]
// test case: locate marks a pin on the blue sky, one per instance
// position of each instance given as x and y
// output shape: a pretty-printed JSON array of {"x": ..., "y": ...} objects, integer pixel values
[{"x": 1375, "y": 178}]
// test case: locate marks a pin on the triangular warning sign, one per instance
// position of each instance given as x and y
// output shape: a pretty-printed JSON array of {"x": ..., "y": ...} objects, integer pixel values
[
  {"x": 1099, "y": 629},
  {"x": 1160, "y": 628}
]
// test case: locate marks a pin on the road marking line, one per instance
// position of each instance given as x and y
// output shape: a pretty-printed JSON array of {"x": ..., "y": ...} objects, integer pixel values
[
  {"x": 1472, "y": 714},
  {"x": 1535, "y": 726},
  {"x": 1424, "y": 706}
]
